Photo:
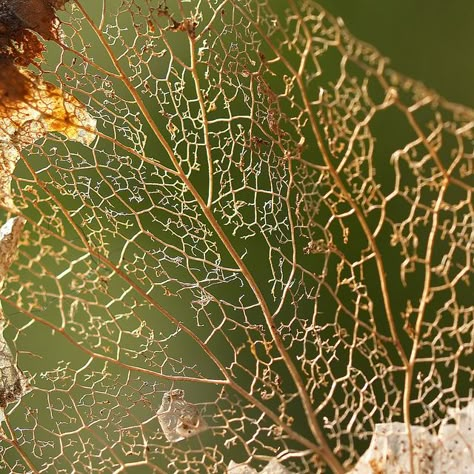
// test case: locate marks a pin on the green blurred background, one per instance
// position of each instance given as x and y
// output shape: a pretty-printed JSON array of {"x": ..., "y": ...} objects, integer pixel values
[{"x": 428, "y": 40}]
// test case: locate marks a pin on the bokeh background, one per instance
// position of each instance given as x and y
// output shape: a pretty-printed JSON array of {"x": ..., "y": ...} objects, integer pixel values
[{"x": 429, "y": 40}]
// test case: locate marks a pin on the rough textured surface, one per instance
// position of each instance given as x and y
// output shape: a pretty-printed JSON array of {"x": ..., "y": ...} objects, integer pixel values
[
  {"x": 178, "y": 418},
  {"x": 32, "y": 109},
  {"x": 273, "y": 467},
  {"x": 13, "y": 383},
  {"x": 10, "y": 234},
  {"x": 19, "y": 21},
  {"x": 450, "y": 451}
]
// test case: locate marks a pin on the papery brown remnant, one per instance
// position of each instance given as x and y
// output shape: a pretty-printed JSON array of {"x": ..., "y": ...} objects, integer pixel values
[
  {"x": 29, "y": 109},
  {"x": 10, "y": 234},
  {"x": 20, "y": 20},
  {"x": 273, "y": 467},
  {"x": 13, "y": 383},
  {"x": 451, "y": 450},
  {"x": 178, "y": 418}
]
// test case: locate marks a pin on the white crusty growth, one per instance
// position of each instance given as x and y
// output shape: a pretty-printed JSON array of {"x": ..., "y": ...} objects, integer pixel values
[{"x": 449, "y": 451}]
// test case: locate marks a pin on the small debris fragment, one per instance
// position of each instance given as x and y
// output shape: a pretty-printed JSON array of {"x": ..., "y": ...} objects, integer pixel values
[
  {"x": 10, "y": 234},
  {"x": 178, "y": 418},
  {"x": 13, "y": 383},
  {"x": 273, "y": 467}
]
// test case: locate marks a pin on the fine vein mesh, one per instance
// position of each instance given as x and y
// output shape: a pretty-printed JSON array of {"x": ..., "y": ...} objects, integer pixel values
[{"x": 242, "y": 229}]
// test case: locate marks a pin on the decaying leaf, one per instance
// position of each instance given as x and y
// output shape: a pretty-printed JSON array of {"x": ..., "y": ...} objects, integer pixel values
[
  {"x": 235, "y": 468},
  {"x": 309, "y": 208},
  {"x": 450, "y": 451},
  {"x": 13, "y": 383},
  {"x": 10, "y": 234},
  {"x": 455, "y": 442},
  {"x": 29, "y": 109},
  {"x": 20, "y": 20},
  {"x": 273, "y": 467},
  {"x": 178, "y": 418},
  {"x": 389, "y": 450},
  {"x": 29, "y": 106},
  {"x": 45, "y": 105}
]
